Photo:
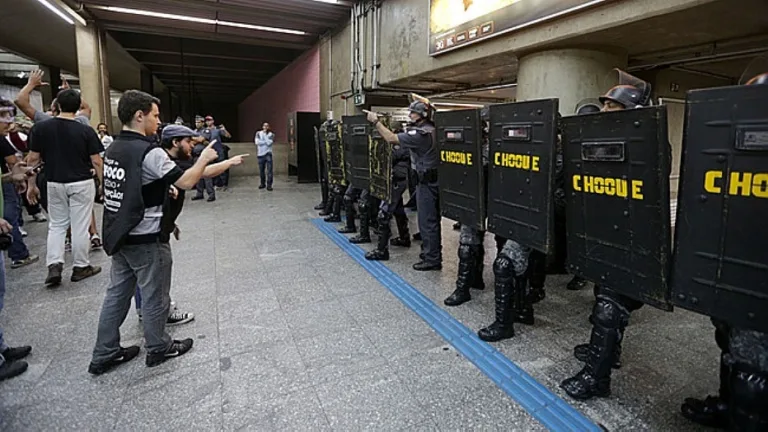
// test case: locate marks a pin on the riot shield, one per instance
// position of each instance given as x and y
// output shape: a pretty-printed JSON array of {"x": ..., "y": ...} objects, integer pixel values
[
  {"x": 617, "y": 168},
  {"x": 522, "y": 170},
  {"x": 331, "y": 133},
  {"x": 462, "y": 188},
  {"x": 721, "y": 259},
  {"x": 318, "y": 155},
  {"x": 380, "y": 163},
  {"x": 356, "y": 131}
]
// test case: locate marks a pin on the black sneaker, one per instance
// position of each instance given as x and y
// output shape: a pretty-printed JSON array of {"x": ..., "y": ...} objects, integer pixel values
[
  {"x": 123, "y": 356},
  {"x": 425, "y": 266},
  {"x": 269, "y": 188},
  {"x": 18, "y": 353},
  {"x": 10, "y": 370},
  {"x": 197, "y": 197},
  {"x": 262, "y": 186},
  {"x": 178, "y": 348},
  {"x": 54, "y": 275},
  {"x": 211, "y": 199}
]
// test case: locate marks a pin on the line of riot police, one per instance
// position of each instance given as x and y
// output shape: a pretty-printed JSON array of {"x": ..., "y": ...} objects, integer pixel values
[{"x": 589, "y": 194}]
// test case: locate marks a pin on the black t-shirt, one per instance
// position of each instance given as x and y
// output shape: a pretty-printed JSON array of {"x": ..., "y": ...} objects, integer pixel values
[
  {"x": 66, "y": 147},
  {"x": 6, "y": 149}
]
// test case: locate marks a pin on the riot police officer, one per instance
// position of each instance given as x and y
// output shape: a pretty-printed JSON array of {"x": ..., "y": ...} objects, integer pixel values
[
  {"x": 419, "y": 138},
  {"x": 742, "y": 401},
  {"x": 332, "y": 210},
  {"x": 471, "y": 247},
  {"x": 395, "y": 207},
  {"x": 611, "y": 311}
]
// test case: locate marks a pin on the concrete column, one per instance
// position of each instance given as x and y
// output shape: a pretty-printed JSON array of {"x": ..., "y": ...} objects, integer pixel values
[
  {"x": 53, "y": 77},
  {"x": 568, "y": 74},
  {"x": 92, "y": 71}
]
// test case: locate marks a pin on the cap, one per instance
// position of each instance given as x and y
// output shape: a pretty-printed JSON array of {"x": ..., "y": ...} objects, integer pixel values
[
  {"x": 198, "y": 118},
  {"x": 177, "y": 131},
  {"x": 208, "y": 118}
]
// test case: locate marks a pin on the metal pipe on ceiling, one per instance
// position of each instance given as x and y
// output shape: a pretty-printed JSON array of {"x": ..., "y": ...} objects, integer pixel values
[
  {"x": 473, "y": 90},
  {"x": 376, "y": 40},
  {"x": 364, "y": 44},
  {"x": 353, "y": 11},
  {"x": 700, "y": 59}
]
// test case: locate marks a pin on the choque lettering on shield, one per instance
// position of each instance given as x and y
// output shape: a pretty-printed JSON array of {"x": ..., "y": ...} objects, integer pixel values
[
  {"x": 456, "y": 157},
  {"x": 738, "y": 183},
  {"x": 518, "y": 161},
  {"x": 608, "y": 186}
]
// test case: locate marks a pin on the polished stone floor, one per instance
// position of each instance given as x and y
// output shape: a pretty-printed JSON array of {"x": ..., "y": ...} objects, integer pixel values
[{"x": 292, "y": 334}]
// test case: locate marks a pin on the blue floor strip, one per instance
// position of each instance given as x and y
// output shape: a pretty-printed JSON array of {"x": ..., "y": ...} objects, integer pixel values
[{"x": 536, "y": 399}]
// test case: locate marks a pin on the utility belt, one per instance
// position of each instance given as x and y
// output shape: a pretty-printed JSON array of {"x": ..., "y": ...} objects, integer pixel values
[
  {"x": 429, "y": 176},
  {"x": 134, "y": 240}
]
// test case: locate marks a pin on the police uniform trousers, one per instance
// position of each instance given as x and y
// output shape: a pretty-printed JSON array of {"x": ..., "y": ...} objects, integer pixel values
[
  {"x": 428, "y": 204},
  {"x": 470, "y": 272},
  {"x": 335, "y": 201}
]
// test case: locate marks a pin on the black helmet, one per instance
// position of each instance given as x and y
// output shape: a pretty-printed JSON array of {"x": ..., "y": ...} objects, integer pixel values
[
  {"x": 756, "y": 72},
  {"x": 588, "y": 106},
  {"x": 759, "y": 79},
  {"x": 419, "y": 108},
  {"x": 625, "y": 95}
]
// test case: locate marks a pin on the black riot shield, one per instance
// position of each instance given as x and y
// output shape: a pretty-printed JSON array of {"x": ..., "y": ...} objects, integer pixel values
[
  {"x": 522, "y": 169},
  {"x": 721, "y": 259},
  {"x": 380, "y": 164},
  {"x": 617, "y": 168},
  {"x": 331, "y": 134},
  {"x": 356, "y": 131},
  {"x": 318, "y": 155},
  {"x": 460, "y": 141}
]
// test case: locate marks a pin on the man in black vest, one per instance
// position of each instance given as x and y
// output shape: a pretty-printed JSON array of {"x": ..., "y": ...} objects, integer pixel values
[{"x": 137, "y": 179}]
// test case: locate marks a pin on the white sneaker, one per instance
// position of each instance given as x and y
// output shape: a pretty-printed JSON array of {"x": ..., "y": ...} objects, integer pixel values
[
  {"x": 23, "y": 233},
  {"x": 40, "y": 217}
]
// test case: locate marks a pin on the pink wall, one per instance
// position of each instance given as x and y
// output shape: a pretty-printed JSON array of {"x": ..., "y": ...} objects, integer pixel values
[{"x": 295, "y": 88}]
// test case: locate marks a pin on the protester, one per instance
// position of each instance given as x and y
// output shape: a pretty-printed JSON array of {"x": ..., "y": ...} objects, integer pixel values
[
  {"x": 104, "y": 136},
  {"x": 140, "y": 177},
  {"x": 11, "y": 363},
  {"x": 265, "y": 138},
  {"x": 70, "y": 150},
  {"x": 18, "y": 251},
  {"x": 18, "y": 136}
]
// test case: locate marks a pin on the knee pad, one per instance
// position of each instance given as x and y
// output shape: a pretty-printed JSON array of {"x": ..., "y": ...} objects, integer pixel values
[
  {"x": 465, "y": 252},
  {"x": 362, "y": 205},
  {"x": 502, "y": 267},
  {"x": 609, "y": 313}
]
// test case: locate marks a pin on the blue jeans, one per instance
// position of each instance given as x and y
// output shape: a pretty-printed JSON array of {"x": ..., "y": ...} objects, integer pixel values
[
  {"x": 18, "y": 250},
  {"x": 265, "y": 169},
  {"x": 3, "y": 346}
]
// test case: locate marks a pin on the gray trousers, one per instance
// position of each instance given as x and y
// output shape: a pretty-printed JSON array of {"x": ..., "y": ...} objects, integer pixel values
[
  {"x": 428, "y": 203},
  {"x": 149, "y": 267}
]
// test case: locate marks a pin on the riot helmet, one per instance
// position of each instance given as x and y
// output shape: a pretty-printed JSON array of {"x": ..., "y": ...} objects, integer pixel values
[
  {"x": 421, "y": 106},
  {"x": 629, "y": 91},
  {"x": 588, "y": 106},
  {"x": 756, "y": 72}
]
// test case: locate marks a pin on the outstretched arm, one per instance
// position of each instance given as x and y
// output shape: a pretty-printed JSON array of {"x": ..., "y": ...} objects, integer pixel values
[{"x": 23, "y": 98}]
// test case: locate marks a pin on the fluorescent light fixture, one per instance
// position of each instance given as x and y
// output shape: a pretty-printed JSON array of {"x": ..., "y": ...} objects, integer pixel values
[
  {"x": 197, "y": 20},
  {"x": 56, "y": 10},
  {"x": 456, "y": 104},
  {"x": 328, "y": 1}
]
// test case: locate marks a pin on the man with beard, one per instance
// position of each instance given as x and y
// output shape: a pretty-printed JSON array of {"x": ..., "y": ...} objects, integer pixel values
[{"x": 137, "y": 179}]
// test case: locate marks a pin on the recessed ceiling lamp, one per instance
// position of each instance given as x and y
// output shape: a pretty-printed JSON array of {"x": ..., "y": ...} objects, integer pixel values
[{"x": 197, "y": 20}]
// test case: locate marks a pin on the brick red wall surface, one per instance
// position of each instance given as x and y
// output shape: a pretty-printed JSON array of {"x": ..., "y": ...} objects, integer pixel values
[{"x": 295, "y": 88}]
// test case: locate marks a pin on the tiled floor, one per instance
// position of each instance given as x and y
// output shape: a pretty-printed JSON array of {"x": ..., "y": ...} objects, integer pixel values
[{"x": 291, "y": 334}]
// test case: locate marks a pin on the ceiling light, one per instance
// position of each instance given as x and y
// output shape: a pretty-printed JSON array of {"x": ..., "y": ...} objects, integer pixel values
[
  {"x": 56, "y": 10},
  {"x": 329, "y": 1},
  {"x": 197, "y": 20}
]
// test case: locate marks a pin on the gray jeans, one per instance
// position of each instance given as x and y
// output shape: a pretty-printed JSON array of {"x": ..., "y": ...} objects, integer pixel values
[{"x": 149, "y": 267}]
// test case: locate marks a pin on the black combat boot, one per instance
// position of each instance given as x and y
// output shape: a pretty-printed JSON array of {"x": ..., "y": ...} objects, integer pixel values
[
  {"x": 381, "y": 253},
  {"x": 713, "y": 410},
  {"x": 594, "y": 380},
  {"x": 523, "y": 309},
  {"x": 335, "y": 215},
  {"x": 403, "y": 238},
  {"x": 328, "y": 209},
  {"x": 457, "y": 226},
  {"x": 324, "y": 192},
  {"x": 464, "y": 278},
  {"x": 577, "y": 283},
  {"x": 503, "y": 327},
  {"x": 365, "y": 231},
  {"x": 349, "y": 208},
  {"x": 477, "y": 281},
  {"x": 581, "y": 352},
  {"x": 749, "y": 397}
]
